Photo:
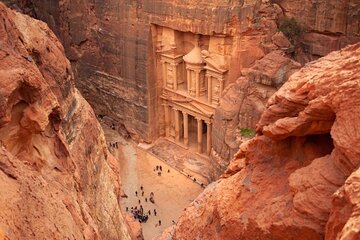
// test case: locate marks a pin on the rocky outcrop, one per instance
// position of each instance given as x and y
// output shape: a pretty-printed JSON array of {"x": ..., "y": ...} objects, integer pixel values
[
  {"x": 57, "y": 178},
  {"x": 281, "y": 183},
  {"x": 244, "y": 102}
]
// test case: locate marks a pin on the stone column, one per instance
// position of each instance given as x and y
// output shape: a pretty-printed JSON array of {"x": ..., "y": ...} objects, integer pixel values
[
  {"x": 177, "y": 125},
  {"x": 174, "y": 77},
  {"x": 186, "y": 129},
  {"x": 208, "y": 137},
  {"x": 209, "y": 89},
  {"x": 199, "y": 134},
  {"x": 188, "y": 76},
  {"x": 197, "y": 83},
  {"x": 167, "y": 122}
]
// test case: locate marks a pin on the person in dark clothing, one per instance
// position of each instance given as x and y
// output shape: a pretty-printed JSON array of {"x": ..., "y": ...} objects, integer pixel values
[
  {"x": 149, "y": 212},
  {"x": 155, "y": 212},
  {"x": 142, "y": 193},
  {"x": 145, "y": 199},
  {"x": 127, "y": 209},
  {"x": 160, "y": 168},
  {"x": 141, "y": 187},
  {"x": 159, "y": 222},
  {"x": 136, "y": 193}
]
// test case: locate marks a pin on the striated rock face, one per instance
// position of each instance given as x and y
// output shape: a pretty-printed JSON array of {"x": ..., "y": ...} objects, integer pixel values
[
  {"x": 329, "y": 24},
  {"x": 290, "y": 181},
  {"x": 57, "y": 179}
]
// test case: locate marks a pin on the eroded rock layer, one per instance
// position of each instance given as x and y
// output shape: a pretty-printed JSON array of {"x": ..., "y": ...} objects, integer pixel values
[
  {"x": 57, "y": 179},
  {"x": 290, "y": 181}
]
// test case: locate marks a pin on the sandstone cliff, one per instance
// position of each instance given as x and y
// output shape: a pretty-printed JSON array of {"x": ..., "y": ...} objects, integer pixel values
[
  {"x": 57, "y": 178},
  {"x": 110, "y": 43},
  {"x": 290, "y": 181}
]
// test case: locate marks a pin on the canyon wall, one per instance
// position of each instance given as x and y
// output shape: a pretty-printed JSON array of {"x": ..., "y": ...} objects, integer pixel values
[
  {"x": 298, "y": 178},
  {"x": 57, "y": 177},
  {"x": 112, "y": 46}
]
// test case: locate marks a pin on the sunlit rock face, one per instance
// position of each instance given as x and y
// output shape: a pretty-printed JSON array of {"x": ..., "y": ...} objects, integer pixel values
[
  {"x": 298, "y": 178},
  {"x": 57, "y": 179}
]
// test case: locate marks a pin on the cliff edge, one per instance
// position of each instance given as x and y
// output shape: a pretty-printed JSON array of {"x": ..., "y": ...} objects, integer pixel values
[{"x": 57, "y": 179}]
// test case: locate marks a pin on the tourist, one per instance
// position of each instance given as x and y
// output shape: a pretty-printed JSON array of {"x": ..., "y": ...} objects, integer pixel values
[
  {"x": 151, "y": 194},
  {"x": 159, "y": 222},
  {"x": 168, "y": 170},
  {"x": 173, "y": 222},
  {"x": 149, "y": 212},
  {"x": 127, "y": 209},
  {"x": 136, "y": 193},
  {"x": 160, "y": 168},
  {"x": 141, "y": 187},
  {"x": 155, "y": 212},
  {"x": 145, "y": 199},
  {"x": 194, "y": 179},
  {"x": 152, "y": 199},
  {"x": 159, "y": 173},
  {"x": 142, "y": 194},
  {"x": 157, "y": 167}
]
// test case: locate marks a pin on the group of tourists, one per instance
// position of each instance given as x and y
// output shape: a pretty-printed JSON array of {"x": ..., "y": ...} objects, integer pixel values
[
  {"x": 138, "y": 211},
  {"x": 113, "y": 145},
  {"x": 158, "y": 169}
]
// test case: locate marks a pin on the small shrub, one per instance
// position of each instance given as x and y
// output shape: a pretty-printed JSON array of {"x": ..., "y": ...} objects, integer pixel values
[
  {"x": 247, "y": 132},
  {"x": 291, "y": 29}
]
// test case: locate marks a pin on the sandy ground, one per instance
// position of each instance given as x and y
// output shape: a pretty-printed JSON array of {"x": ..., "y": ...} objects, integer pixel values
[{"x": 173, "y": 191}]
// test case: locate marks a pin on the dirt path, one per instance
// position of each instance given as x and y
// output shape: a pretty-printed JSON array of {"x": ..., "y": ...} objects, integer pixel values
[{"x": 173, "y": 191}]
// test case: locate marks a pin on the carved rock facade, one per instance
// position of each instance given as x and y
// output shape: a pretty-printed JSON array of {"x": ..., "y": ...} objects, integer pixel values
[{"x": 289, "y": 182}]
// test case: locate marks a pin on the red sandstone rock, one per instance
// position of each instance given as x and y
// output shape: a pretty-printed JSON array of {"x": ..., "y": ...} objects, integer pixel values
[
  {"x": 281, "y": 40},
  {"x": 57, "y": 179},
  {"x": 309, "y": 146},
  {"x": 244, "y": 102}
]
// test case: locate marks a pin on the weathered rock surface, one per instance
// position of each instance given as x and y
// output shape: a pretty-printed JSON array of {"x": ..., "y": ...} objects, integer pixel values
[
  {"x": 57, "y": 179},
  {"x": 281, "y": 184},
  {"x": 244, "y": 102},
  {"x": 329, "y": 24}
]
